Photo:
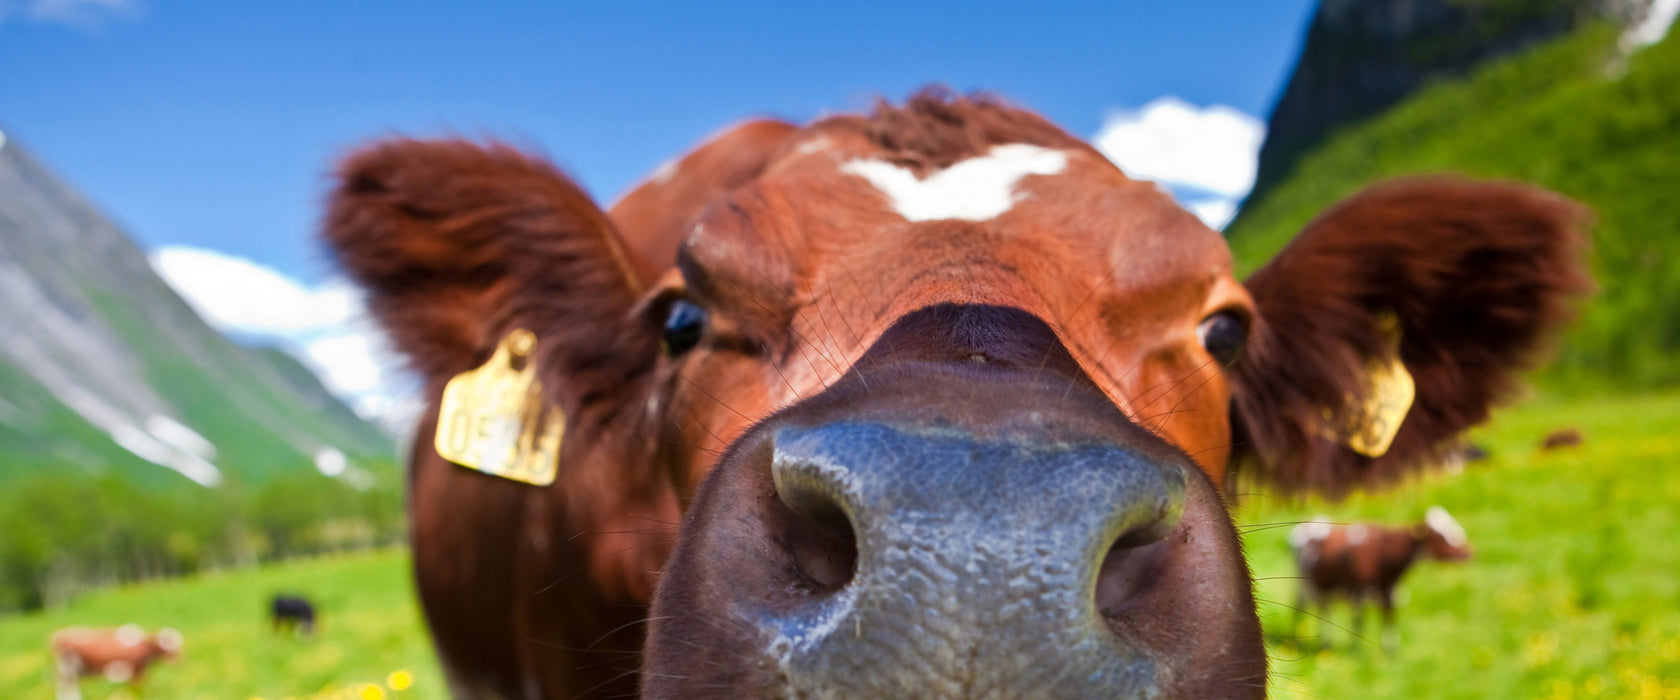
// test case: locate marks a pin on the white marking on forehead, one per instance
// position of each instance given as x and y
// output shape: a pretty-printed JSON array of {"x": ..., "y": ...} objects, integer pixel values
[
  {"x": 1442, "y": 522},
  {"x": 976, "y": 189}
]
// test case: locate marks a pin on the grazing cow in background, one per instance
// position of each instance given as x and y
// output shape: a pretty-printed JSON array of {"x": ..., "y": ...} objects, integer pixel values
[
  {"x": 1457, "y": 458},
  {"x": 1361, "y": 561},
  {"x": 934, "y": 401},
  {"x": 292, "y": 613},
  {"x": 1561, "y": 438},
  {"x": 121, "y": 655}
]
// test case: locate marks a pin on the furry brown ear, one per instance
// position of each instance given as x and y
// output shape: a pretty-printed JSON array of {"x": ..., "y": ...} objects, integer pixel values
[
  {"x": 1479, "y": 275},
  {"x": 458, "y": 243}
]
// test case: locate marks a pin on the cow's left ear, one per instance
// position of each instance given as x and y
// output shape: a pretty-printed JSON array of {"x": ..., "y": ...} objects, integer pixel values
[
  {"x": 460, "y": 244},
  {"x": 1461, "y": 281}
]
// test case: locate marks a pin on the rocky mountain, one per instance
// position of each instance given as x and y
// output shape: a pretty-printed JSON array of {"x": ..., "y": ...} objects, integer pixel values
[
  {"x": 103, "y": 368},
  {"x": 1361, "y": 57}
]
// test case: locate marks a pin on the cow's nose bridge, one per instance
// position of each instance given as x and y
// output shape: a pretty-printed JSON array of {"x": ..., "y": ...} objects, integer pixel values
[
  {"x": 960, "y": 333},
  {"x": 966, "y": 547}
]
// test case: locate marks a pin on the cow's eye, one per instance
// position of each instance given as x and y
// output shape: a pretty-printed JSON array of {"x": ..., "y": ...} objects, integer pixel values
[
  {"x": 683, "y": 327},
  {"x": 1223, "y": 335}
]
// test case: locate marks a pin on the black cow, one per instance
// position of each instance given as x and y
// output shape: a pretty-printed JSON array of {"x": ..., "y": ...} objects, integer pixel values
[{"x": 292, "y": 613}]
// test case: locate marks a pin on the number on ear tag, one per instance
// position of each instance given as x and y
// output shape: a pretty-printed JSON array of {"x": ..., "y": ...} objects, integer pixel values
[{"x": 492, "y": 419}]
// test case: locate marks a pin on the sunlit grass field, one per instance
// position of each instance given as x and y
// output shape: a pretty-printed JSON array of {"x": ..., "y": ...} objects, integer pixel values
[
  {"x": 1574, "y": 590},
  {"x": 369, "y": 631}
]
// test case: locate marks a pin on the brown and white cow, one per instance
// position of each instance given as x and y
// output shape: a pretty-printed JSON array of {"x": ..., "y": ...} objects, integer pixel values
[
  {"x": 931, "y": 402},
  {"x": 119, "y": 655},
  {"x": 1360, "y": 561}
]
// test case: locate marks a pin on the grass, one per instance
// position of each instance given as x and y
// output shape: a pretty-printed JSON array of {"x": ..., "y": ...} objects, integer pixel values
[
  {"x": 369, "y": 628},
  {"x": 1574, "y": 589}
]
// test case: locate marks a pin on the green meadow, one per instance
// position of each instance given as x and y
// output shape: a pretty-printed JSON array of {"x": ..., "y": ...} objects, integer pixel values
[
  {"x": 1573, "y": 590},
  {"x": 369, "y": 635}
]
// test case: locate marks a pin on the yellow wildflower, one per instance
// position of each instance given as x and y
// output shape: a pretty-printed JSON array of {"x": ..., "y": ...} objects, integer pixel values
[{"x": 399, "y": 680}]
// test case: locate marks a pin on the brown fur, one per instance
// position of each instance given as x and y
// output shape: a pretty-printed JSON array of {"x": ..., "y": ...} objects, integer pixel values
[
  {"x": 465, "y": 242},
  {"x": 1479, "y": 273},
  {"x": 656, "y": 215},
  {"x": 541, "y": 592},
  {"x": 935, "y": 129}
]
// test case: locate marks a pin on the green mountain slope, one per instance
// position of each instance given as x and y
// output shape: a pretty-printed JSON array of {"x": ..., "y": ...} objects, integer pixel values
[
  {"x": 1360, "y": 57},
  {"x": 105, "y": 370},
  {"x": 1571, "y": 115}
]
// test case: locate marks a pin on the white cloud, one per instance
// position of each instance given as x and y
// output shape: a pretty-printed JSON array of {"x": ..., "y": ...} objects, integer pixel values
[
  {"x": 1213, "y": 212},
  {"x": 1214, "y": 149},
  {"x": 233, "y": 293},
  {"x": 348, "y": 361},
  {"x": 86, "y": 15},
  {"x": 1205, "y": 156},
  {"x": 325, "y": 326}
]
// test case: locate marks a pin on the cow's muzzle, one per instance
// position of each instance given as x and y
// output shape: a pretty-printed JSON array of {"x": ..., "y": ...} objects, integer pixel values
[{"x": 947, "y": 528}]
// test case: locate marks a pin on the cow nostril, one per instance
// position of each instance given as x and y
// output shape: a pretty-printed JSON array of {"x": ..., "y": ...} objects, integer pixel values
[
  {"x": 819, "y": 536},
  {"x": 1130, "y": 566}
]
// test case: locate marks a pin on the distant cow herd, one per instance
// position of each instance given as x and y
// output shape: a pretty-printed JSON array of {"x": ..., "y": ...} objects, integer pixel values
[{"x": 933, "y": 401}]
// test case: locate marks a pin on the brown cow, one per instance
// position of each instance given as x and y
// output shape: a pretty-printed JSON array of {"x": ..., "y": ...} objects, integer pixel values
[
  {"x": 1561, "y": 438},
  {"x": 942, "y": 400},
  {"x": 121, "y": 655},
  {"x": 1360, "y": 561}
]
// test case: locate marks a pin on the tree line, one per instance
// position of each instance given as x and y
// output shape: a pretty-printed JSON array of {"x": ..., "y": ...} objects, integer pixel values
[{"x": 64, "y": 532}]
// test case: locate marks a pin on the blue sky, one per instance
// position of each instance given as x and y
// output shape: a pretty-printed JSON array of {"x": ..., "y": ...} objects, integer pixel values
[{"x": 212, "y": 124}]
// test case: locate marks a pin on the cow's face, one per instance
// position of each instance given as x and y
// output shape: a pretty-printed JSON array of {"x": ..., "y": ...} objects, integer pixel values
[
  {"x": 953, "y": 398},
  {"x": 996, "y": 418},
  {"x": 784, "y": 285}
]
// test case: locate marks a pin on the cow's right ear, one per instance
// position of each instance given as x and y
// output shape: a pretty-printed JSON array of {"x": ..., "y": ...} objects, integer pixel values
[
  {"x": 1396, "y": 320},
  {"x": 457, "y": 244}
]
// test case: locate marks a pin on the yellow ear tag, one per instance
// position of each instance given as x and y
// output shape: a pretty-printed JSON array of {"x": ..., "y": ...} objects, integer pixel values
[
  {"x": 492, "y": 420},
  {"x": 1389, "y": 393}
]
